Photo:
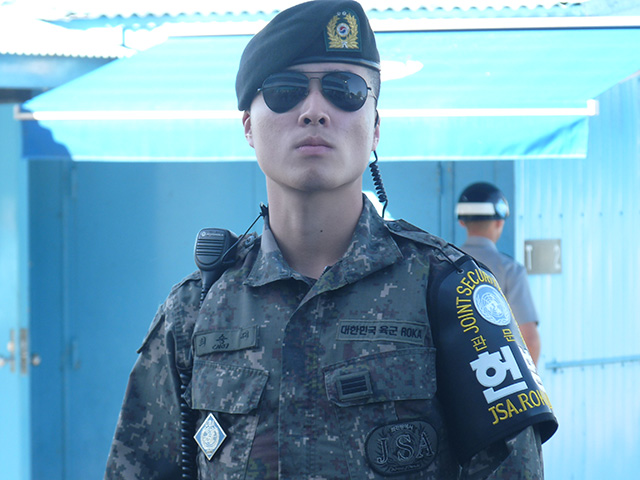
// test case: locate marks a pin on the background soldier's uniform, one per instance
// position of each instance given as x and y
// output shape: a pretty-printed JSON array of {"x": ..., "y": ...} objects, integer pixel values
[
  {"x": 511, "y": 275},
  {"x": 274, "y": 358}
]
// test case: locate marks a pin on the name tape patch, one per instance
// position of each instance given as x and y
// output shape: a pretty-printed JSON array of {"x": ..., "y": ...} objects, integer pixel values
[
  {"x": 225, "y": 340},
  {"x": 376, "y": 330}
]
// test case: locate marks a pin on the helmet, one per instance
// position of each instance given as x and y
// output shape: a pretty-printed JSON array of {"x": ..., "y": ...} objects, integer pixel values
[{"x": 482, "y": 201}]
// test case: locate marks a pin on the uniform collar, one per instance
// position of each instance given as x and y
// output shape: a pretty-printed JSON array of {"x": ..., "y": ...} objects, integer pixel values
[
  {"x": 477, "y": 241},
  {"x": 372, "y": 248}
]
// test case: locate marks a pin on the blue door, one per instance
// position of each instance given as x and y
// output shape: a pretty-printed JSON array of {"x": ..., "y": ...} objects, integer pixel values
[{"x": 14, "y": 328}]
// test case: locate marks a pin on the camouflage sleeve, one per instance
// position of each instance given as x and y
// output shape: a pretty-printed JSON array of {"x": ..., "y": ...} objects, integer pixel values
[
  {"x": 519, "y": 458},
  {"x": 147, "y": 438}
]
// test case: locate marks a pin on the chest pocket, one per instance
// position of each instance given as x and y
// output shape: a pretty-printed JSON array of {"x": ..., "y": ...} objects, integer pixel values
[
  {"x": 381, "y": 390},
  {"x": 225, "y": 388},
  {"x": 233, "y": 394}
]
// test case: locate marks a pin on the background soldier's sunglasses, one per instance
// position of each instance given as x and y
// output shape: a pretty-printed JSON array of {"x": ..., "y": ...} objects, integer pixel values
[{"x": 346, "y": 90}]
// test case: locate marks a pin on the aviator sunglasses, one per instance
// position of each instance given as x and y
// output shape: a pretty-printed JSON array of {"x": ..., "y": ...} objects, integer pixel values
[{"x": 284, "y": 90}]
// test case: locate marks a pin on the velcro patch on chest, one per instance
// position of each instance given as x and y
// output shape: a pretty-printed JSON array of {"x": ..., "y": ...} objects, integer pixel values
[
  {"x": 377, "y": 330},
  {"x": 225, "y": 340},
  {"x": 401, "y": 447}
]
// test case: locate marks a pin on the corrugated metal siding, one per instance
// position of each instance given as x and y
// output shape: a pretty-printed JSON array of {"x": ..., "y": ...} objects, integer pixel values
[{"x": 589, "y": 325}]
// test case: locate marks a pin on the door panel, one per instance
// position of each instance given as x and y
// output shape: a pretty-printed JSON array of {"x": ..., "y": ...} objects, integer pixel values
[
  {"x": 14, "y": 328},
  {"x": 48, "y": 181}
]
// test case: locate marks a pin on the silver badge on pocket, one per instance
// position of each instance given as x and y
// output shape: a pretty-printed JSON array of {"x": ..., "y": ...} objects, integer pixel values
[{"x": 210, "y": 436}]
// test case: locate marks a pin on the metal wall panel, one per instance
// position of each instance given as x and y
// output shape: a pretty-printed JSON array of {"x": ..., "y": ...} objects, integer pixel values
[{"x": 590, "y": 359}]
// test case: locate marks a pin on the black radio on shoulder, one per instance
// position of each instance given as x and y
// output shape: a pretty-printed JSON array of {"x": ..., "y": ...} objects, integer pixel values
[{"x": 214, "y": 253}]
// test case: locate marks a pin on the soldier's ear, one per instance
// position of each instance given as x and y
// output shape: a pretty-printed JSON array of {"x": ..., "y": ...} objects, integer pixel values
[
  {"x": 246, "y": 123},
  {"x": 376, "y": 131}
]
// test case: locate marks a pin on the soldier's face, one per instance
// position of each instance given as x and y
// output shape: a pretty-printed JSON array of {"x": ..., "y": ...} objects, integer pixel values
[{"x": 315, "y": 145}]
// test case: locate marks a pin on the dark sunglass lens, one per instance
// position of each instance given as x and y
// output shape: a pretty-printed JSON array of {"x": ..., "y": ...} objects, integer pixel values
[
  {"x": 284, "y": 98},
  {"x": 345, "y": 90},
  {"x": 283, "y": 91}
]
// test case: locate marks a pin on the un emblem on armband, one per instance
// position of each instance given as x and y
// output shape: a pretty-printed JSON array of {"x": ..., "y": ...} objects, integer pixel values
[{"x": 491, "y": 305}]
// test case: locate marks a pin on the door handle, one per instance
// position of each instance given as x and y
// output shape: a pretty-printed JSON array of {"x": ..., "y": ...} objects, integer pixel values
[
  {"x": 26, "y": 358},
  {"x": 24, "y": 352},
  {"x": 11, "y": 348}
]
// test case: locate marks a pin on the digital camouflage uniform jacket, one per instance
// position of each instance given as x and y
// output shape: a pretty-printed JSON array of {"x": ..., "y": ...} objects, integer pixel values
[{"x": 309, "y": 380}]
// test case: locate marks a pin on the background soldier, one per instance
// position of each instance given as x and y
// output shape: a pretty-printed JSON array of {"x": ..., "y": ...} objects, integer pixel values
[{"x": 482, "y": 210}]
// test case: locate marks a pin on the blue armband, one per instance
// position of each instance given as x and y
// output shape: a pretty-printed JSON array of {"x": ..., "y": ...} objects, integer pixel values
[{"x": 487, "y": 381}]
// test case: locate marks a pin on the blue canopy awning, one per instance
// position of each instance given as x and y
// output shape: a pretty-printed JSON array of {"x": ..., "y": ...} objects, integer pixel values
[{"x": 448, "y": 95}]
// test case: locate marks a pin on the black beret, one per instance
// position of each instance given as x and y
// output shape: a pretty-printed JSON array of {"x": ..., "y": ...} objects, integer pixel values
[{"x": 317, "y": 31}]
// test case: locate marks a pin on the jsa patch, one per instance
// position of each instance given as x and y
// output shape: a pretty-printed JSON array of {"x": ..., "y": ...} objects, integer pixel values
[{"x": 401, "y": 447}]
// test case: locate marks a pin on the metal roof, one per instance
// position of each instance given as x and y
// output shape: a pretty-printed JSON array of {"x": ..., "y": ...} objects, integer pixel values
[
  {"x": 141, "y": 24},
  {"x": 101, "y": 29},
  {"x": 74, "y": 9},
  {"x": 147, "y": 13},
  {"x": 24, "y": 35}
]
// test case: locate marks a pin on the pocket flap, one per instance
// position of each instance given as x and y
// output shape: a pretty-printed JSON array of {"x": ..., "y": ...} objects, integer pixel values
[
  {"x": 226, "y": 388},
  {"x": 407, "y": 374}
]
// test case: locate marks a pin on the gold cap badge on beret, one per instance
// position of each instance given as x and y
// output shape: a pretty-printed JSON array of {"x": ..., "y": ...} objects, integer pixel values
[
  {"x": 343, "y": 32},
  {"x": 333, "y": 31}
]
